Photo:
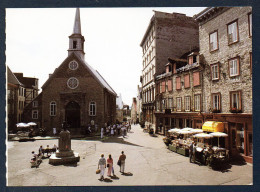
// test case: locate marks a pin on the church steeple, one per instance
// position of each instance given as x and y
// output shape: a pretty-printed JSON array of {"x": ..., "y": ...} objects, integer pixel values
[
  {"x": 77, "y": 26},
  {"x": 76, "y": 40}
]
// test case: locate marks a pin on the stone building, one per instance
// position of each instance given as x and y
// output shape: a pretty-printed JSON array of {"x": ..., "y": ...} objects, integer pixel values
[
  {"x": 75, "y": 92},
  {"x": 15, "y": 101},
  {"x": 226, "y": 46},
  {"x": 168, "y": 34}
]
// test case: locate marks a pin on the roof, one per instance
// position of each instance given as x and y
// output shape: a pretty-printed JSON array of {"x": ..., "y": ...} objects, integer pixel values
[
  {"x": 28, "y": 82},
  {"x": 11, "y": 78},
  {"x": 94, "y": 72}
]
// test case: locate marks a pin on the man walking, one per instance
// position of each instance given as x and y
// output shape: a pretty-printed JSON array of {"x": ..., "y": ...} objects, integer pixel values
[
  {"x": 191, "y": 151},
  {"x": 102, "y": 166},
  {"x": 122, "y": 158}
]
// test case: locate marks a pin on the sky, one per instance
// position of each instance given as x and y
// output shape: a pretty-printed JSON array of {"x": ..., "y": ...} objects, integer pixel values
[{"x": 37, "y": 42}]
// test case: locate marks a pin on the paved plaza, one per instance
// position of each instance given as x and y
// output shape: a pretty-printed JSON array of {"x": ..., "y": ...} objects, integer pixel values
[{"x": 148, "y": 162}]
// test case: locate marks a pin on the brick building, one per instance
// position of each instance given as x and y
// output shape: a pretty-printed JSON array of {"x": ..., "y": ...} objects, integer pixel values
[
  {"x": 168, "y": 34},
  {"x": 75, "y": 92},
  {"x": 226, "y": 46}
]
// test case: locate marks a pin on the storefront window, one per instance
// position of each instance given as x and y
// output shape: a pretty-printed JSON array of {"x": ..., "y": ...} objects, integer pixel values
[
  {"x": 250, "y": 142},
  {"x": 240, "y": 138}
]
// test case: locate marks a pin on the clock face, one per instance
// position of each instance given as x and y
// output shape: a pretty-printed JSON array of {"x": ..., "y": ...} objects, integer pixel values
[
  {"x": 73, "y": 65},
  {"x": 73, "y": 83}
]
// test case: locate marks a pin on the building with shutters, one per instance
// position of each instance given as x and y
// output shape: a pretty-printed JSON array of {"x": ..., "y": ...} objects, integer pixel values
[
  {"x": 168, "y": 34},
  {"x": 179, "y": 93},
  {"x": 75, "y": 92},
  {"x": 214, "y": 83}
]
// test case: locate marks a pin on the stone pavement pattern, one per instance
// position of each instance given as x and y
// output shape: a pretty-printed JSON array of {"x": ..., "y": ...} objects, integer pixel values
[{"x": 148, "y": 162}]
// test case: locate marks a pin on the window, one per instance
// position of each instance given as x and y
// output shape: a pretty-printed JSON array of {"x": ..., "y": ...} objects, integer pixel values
[
  {"x": 186, "y": 81},
  {"x": 73, "y": 83},
  {"x": 170, "y": 104},
  {"x": 215, "y": 101},
  {"x": 53, "y": 108},
  {"x": 214, "y": 71},
  {"x": 92, "y": 108},
  {"x": 234, "y": 67},
  {"x": 213, "y": 41},
  {"x": 35, "y": 114},
  {"x": 73, "y": 65},
  {"x": 235, "y": 100},
  {"x": 232, "y": 32},
  {"x": 74, "y": 44},
  {"x": 158, "y": 105},
  {"x": 197, "y": 102},
  {"x": 196, "y": 78},
  {"x": 187, "y": 103},
  {"x": 164, "y": 105},
  {"x": 169, "y": 85},
  {"x": 178, "y": 101},
  {"x": 178, "y": 83},
  {"x": 35, "y": 103},
  {"x": 250, "y": 24}
]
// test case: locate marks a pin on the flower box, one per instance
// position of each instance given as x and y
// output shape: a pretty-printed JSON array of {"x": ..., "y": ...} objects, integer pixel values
[{"x": 235, "y": 110}]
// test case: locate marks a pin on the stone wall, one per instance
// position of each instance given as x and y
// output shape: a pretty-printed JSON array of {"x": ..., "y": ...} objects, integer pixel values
[{"x": 242, "y": 49}]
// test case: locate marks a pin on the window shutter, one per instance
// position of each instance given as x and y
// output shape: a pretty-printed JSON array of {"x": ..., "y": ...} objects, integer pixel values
[
  {"x": 178, "y": 83},
  {"x": 163, "y": 86},
  {"x": 170, "y": 85},
  {"x": 196, "y": 78},
  {"x": 187, "y": 81}
]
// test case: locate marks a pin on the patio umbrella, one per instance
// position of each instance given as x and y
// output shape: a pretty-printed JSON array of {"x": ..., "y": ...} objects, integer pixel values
[
  {"x": 187, "y": 129},
  {"x": 31, "y": 123},
  {"x": 174, "y": 130},
  {"x": 218, "y": 135},
  {"x": 184, "y": 132},
  {"x": 196, "y": 131},
  {"x": 22, "y": 125}
]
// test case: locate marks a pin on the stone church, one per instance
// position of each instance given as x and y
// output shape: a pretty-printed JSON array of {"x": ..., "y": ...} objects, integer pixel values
[{"x": 75, "y": 92}]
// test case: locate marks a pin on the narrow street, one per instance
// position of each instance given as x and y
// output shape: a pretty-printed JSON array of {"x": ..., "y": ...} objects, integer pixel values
[{"x": 148, "y": 162}]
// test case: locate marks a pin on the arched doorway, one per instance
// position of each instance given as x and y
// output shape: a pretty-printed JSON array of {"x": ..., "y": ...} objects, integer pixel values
[{"x": 72, "y": 114}]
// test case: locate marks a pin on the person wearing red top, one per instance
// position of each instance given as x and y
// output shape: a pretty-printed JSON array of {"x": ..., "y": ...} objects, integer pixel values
[{"x": 122, "y": 158}]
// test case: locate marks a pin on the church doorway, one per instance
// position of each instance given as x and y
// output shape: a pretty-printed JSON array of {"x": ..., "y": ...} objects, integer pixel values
[{"x": 72, "y": 114}]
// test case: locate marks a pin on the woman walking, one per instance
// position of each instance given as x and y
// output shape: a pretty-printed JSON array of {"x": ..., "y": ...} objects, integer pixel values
[{"x": 110, "y": 166}]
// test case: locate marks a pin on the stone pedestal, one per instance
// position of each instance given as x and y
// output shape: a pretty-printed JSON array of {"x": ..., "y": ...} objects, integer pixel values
[{"x": 65, "y": 155}]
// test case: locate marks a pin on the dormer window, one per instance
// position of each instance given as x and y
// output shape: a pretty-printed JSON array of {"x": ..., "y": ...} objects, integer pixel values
[
  {"x": 192, "y": 59},
  {"x": 74, "y": 44}
]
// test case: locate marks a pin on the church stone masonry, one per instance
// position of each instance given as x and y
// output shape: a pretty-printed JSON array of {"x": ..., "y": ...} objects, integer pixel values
[{"x": 75, "y": 92}]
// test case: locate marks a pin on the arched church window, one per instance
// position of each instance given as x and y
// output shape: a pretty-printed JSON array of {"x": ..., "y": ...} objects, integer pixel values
[
  {"x": 74, "y": 44},
  {"x": 73, "y": 83},
  {"x": 92, "y": 108},
  {"x": 73, "y": 65},
  {"x": 53, "y": 108}
]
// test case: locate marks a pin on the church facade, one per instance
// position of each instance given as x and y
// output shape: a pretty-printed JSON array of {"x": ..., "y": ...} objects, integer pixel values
[{"x": 75, "y": 92}]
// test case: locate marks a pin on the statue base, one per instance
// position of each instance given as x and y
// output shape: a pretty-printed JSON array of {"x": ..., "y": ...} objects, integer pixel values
[{"x": 61, "y": 158}]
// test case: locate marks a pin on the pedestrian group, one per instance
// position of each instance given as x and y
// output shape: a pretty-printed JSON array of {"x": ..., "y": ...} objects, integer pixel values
[{"x": 103, "y": 164}]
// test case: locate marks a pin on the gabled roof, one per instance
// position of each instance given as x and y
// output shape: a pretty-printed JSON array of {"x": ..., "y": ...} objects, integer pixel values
[
  {"x": 11, "y": 78},
  {"x": 94, "y": 73}
]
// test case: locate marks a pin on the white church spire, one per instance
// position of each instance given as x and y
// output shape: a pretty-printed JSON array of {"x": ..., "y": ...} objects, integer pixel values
[
  {"x": 77, "y": 26},
  {"x": 76, "y": 40}
]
